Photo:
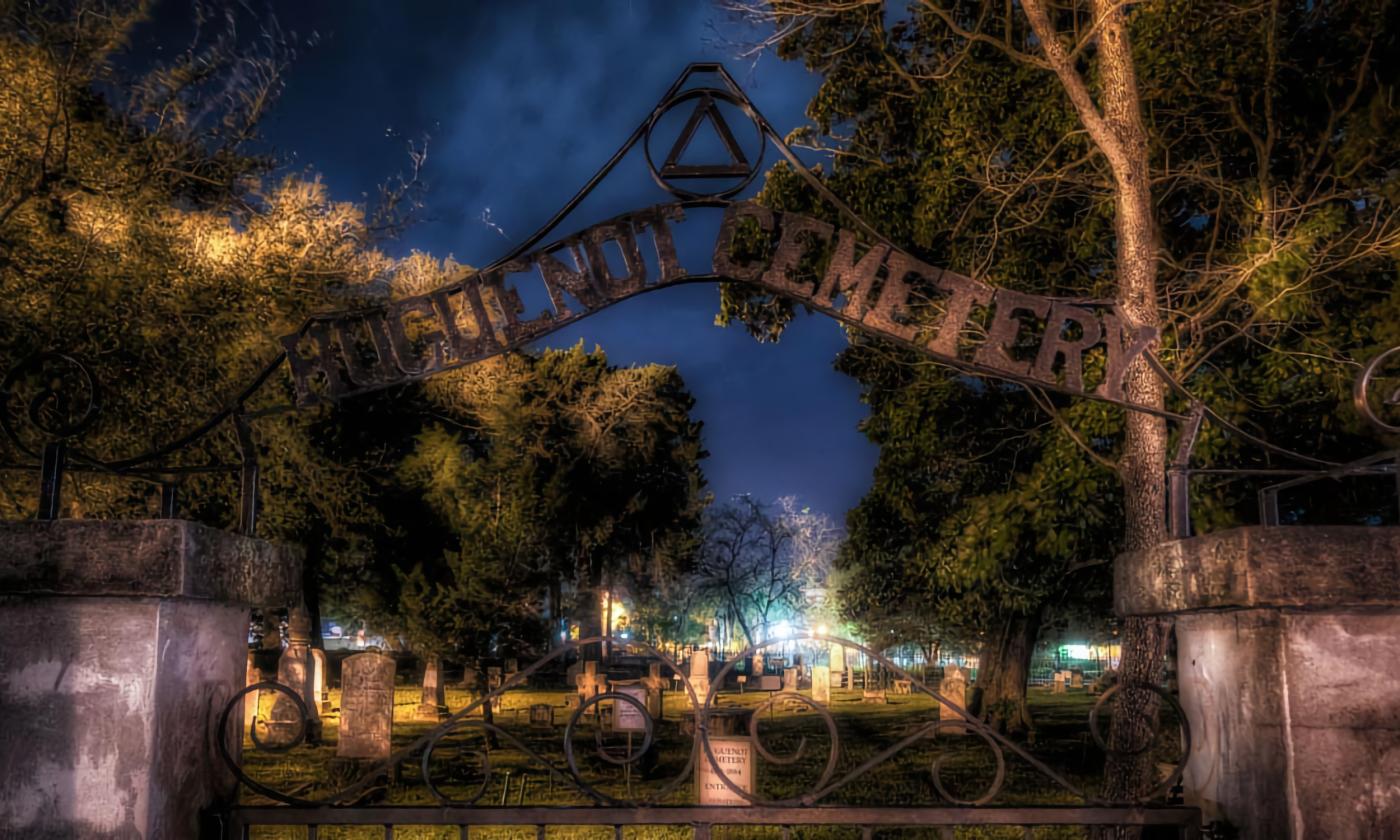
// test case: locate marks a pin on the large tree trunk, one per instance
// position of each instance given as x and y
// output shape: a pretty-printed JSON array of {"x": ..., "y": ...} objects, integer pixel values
[
  {"x": 1116, "y": 127},
  {"x": 1129, "y": 771},
  {"x": 1004, "y": 671}
]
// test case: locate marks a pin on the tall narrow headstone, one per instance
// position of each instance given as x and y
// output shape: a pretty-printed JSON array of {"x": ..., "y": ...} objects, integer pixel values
[
  {"x": 700, "y": 674},
  {"x": 1076, "y": 678},
  {"x": 250, "y": 700},
  {"x": 821, "y": 683},
  {"x": 319, "y": 684},
  {"x": 366, "y": 706},
  {"x": 1059, "y": 686},
  {"x": 294, "y": 671},
  {"x": 954, "y": 689},
  {"x": 838, "y": 664},
  {"x": 789, "y": 679},
  {"x": 432, "y": 703}
]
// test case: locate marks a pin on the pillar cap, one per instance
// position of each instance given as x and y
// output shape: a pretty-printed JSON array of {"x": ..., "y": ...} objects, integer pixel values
[
  {"x": 1303, "y": 566},
  {"x": 146, "y": 558}
]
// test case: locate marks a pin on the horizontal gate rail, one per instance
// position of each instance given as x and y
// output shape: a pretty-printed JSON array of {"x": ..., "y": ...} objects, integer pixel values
[{"x": 1186, "y": 820}]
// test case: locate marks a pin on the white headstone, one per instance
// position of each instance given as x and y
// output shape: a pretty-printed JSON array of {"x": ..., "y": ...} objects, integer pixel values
[
  {"x": 735, "y": 759},
  {"x": 250, "y": 700},
  {"x": 954, "y": 689},
  {"x": 821, "y": 683},
  {"x": 432, "y": 703},
  {"x": 838, "y": 658},
  {"x": 319, "y": 689},
  {"x": 627, "y": 717},
  {"x": 789, "y": 679},
  {"x": 1059, "y": 687}
]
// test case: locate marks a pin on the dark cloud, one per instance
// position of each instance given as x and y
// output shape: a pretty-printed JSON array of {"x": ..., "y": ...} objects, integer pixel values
[{"x": 524, "y": 101}]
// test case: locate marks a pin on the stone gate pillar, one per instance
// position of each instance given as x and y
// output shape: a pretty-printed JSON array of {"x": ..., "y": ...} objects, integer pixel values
[
  {"x": 120, "y": 643},
  {"x": 1288, "y": 656}
]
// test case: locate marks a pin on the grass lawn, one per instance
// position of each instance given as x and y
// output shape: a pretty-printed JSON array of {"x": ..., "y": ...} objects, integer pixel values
[{"x": 1061, "y": 741}]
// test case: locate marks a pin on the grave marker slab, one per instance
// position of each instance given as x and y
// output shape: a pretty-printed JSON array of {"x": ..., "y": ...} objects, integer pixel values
[
  {"x": 366, "y": 706},
  {"x": 821, "y": 683},
  {"x": 954, "y": 689},
  {"x": 735, "y": 759}
]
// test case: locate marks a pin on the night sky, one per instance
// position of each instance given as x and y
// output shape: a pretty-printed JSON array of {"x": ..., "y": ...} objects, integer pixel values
[{"x": 523, "y": 101}]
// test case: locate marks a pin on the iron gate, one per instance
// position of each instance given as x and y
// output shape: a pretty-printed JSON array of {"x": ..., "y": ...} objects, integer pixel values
[{"x": 664, "y": 802}]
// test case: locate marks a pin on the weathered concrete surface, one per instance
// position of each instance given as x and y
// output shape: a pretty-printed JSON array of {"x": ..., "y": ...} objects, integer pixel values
[
  {"x": 108, "y": 703},
  {"x": 161, "y": 557},
  {"x": 1308, "y": 567},
  {"x": 1288, "y": 656}
]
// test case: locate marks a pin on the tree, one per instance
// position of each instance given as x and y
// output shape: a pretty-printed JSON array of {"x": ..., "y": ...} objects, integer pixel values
[
  {"x": 747, "y": 565},
  {"x": 542, "y": 471},
  {"x": 1221, "y": 171},
  {"x": 143, "y": 235}
]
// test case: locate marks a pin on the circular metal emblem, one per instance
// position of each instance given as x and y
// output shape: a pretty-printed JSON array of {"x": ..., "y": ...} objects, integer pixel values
[
  {"x": 1377, "y": 391},
  {"x": 710, "y": 179}
]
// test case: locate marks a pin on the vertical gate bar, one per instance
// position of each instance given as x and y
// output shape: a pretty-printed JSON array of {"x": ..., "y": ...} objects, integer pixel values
[
  {"x": 463, "y": 832},
  {"x": 539, "y": 832},
  {"x": 945, "y": 832},
  {"x": 169, "y": 500},
  {"x": 388, "y": 831},
  {"x": 311, "y": 831},
  {"x": 702, "y": 831},
  {"x": 248, "y": 478},
  {"x": 1179, "y": 476},
  {"x": 867, "y": 833},
  {"x": 51, "y": 479},
  {"x": 787, "y": 832},
  {"x": 617, "y": 832}
]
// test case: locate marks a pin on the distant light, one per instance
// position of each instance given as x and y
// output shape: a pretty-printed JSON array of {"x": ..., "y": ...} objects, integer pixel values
[
  {"x": 1076, "y": 651},
  {"x": 821, "y": 629},
  {"x": 784, "y": 629}
]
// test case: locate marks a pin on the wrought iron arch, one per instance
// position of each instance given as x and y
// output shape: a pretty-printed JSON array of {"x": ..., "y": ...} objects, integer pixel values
[{"x": 868, "y": 283}]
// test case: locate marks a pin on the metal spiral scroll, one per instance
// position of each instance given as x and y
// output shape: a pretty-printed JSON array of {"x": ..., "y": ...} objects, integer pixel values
[
  {"x": 55, "y": 393},
  {"x": 826, "y": 784},
  {"x": 1366, "y": 382}
]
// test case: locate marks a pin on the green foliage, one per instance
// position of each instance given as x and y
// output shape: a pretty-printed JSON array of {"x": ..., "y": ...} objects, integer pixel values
[
  {"x": 1272, "y": 144},
  {"x": 542, "y": 471}
]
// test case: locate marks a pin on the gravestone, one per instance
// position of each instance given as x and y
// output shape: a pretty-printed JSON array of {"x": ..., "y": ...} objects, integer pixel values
[
  {"x": 770, "y": 682},
  {"x": 838, "y": 664},
  {"x": 821, "y": 683},
  {"x": 903, "y": 686},
  {"x": 700, "y": 674},
  {"x": 494, "y": 679},
  {"x": 432, "y": 703},
  {"x": 294, "y": 671},
  {"x": 250, "y": 700},
  {"x": 875, "y": 696},
  {"x": 319, "y": 683},
  {"x": 1076, "y": 678},
  {"x": 758, "y": 664},
  {"x": 735, "y": 759},
  {"x": 1059, "y": 683},
  {"x": 789, "y": 679},
  {"x": 366, "y": 706},
  {"x": 954, "y": 689},
  {"x": 589, "y": 683},
  {"x": 541, "y": 716},
  {"x": 627, "y": 717}
]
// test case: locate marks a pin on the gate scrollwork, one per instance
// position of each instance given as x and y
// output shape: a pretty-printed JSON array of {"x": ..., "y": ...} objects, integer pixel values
[{"x": 831, "y": 778}]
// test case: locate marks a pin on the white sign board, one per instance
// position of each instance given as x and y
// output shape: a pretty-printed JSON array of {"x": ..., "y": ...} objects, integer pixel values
[
  {"x": 626, "y": 717},
  {"x": 735, "y": 759}
]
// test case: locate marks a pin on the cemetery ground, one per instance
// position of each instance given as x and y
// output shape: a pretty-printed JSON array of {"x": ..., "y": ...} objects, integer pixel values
[{"x": 1061, "y": 740}]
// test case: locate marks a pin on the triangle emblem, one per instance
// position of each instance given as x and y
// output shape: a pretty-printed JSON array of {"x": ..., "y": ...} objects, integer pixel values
[{"x": 738, "y": 165}]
